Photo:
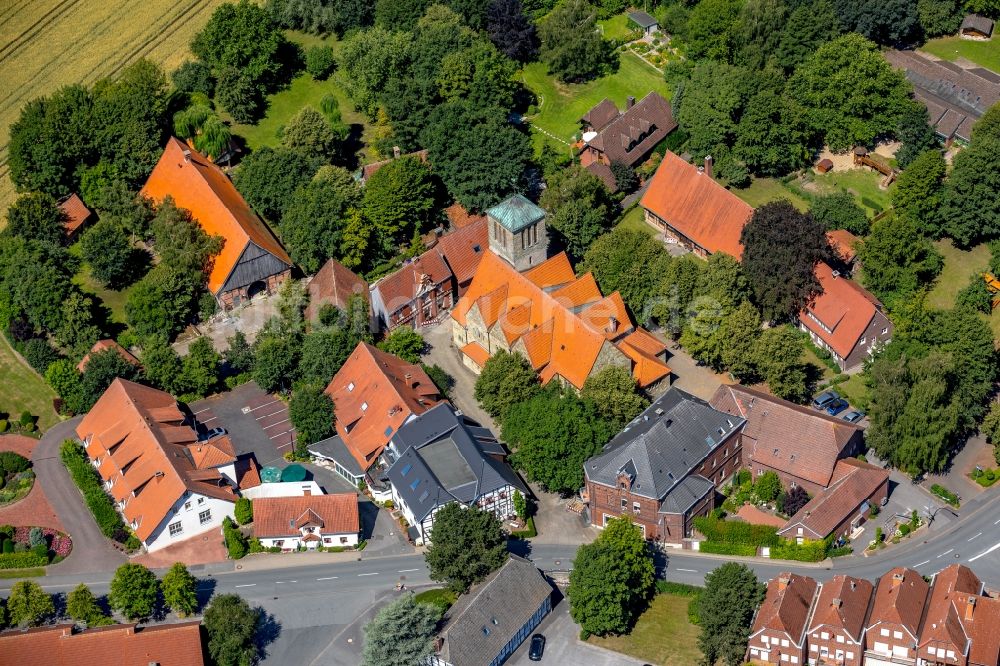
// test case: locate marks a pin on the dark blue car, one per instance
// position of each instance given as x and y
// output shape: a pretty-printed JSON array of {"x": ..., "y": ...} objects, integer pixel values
[{"x": 837, "y": 406}]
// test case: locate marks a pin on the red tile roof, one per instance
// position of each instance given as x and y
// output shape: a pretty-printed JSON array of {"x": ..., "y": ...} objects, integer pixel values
[
  {"x": 632, "y": 134},
  {"x": 76, "y": 213},
  {"x": 475, "y": 351},
  {"x": 843, "y": 605},
  {"x": 855, "y": 482},
  {"x": 604, "y": 172},
  {"x": 601, "y": 114},
  {"x": 400, "y": 288},
  {"x": 459, "y": 217},
  {"x": 463, "y": 249},
  {"x": 552, "y": 272},
  {"x": 900, "y": 598},
  {"x": 697, "y": 206},
  {"x": 104, "y": 345},
  {"x": 797, "y": 440},
  {"x": 845, "y": 309},
  {"x": 334, "y": 283},
  {"x": 843, "y": 244},
  {"x": 284, "y": 516},
  {"x": 373, "y": 394},
  {"x": 214, "y": 453},
  {"x": 116, "y": 645},
  {"x": 948, "y": 619},
  {"x": 137, "y": 434},
  {"x": 786, "y": 606},
  {"x": 198, "y": 185}
]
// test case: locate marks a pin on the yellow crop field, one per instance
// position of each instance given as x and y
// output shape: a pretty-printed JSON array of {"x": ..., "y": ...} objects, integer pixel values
[{"x": 45, "y": 44}]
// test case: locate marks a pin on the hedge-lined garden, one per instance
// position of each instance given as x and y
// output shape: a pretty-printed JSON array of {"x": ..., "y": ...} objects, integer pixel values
[
  {"x": 98, "y": 501},
  {"x": 730, "y": 537},
  {"x": 27, "y": 547},
  {"x": 16, "y": 477}
]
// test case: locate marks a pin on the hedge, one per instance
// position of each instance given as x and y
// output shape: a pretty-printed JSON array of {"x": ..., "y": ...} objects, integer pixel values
[
  {"x": 86, "y": 479},
  {"x": 23, "y": 560},
  {"x": 808, "y": 551},
  {"x": 680, "y": 589},
  {"x": 945, "y": 494},
  {"x": 736, "y": 533},
  {"x": 719, "y": 548},
  {"x": 528, "y": 532}
]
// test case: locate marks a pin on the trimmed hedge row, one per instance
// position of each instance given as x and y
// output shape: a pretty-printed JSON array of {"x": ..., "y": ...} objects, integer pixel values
[
  {"x": 718, "y": 548},
  {"x": 736, "y": 533},
  {"x": 23, "y": 560},
  {"x": 86, "y": 479},
  {"x": 809, "y": 551}
]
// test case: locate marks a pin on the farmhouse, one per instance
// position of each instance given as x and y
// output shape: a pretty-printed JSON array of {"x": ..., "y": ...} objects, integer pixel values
[
  {"x": 663, "y": 468},
  {"x": 252, "y": 260},
  {"x": 441, "y": 458},
  {"x": 801, "y": 445},
  {"x": 686, "y": 204},
  {"x": 845, "y": 319},
  {"x": 779, "y": 634},
  {"x": 167, "y": 485},
  {"x": 307, "y": 521}
]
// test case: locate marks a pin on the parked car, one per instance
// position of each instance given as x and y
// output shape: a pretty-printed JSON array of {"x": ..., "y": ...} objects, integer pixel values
[
  {"x": 837, "y": 406},
  {"x": 537, "y": 647},
  {"x": 853, "y": 416},
  {"x": 824, "y": 399},
  {"x": 211, "y": 434}
]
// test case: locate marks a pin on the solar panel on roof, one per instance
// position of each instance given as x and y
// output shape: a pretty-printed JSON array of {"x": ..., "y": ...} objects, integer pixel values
[{"x": 416, "y": 482}]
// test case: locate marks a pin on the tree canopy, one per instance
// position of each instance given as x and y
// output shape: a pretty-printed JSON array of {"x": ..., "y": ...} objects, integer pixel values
[
  {"x": 506, "y": 379},
  {"x": 726, "y": 608},
  {"x": 970, "y": 208},
  {"x": 467, "y": 545},
  {"x": 134, "y": 589},
  {"x": 571, "y": 46},
  {"x": 580, "y": 208},
  {"x": 231, "y": 625},
  {"x": 400, "y": 634}
]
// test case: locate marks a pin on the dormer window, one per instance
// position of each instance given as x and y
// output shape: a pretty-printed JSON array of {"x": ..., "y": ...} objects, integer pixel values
[
  {"x": 364, "y": 406},
  {"x": 350, "y": 387}
]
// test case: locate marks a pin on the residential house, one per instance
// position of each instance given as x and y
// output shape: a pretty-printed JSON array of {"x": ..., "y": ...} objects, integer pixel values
[
  {"x": 517, "y": 232},
  {"x": 309, "y": 521},
  {"x": 251, "y": 261},
  {"x": 955, "y": 97},
  {"x": 75, "y": 214},
  {"x": 374, "y": 393},
  {"x": 425, "y": 288},
  {"x": 166, "y": 484},
  {"x": 976, "y": 27},
  {"x": 333, "y": 284},
  {"x": 105, "y": 345},
  {"x": 441, "y": 457},
  {"x": 837, "y": 627},
  {"x": 663, "y": 468},
  {"x": 842, "y": 508},
  {"x": 800, "y": 444},
  {"x": 369, "y": 170},
  {"x": 893, "y": 629},
  {"x": 625, "y": 137},
  {"x": 488, "y": 623},
  {"x": 174, "y": 644},
  {"x": 778, "y": 635},
  {"x": 561, "y": 323},
  {"x": 644, "y": 22},
  {"x": 688, "y": 206},
  {"x": 961, "y": 625},
  {"x": 845, "y": 319}
]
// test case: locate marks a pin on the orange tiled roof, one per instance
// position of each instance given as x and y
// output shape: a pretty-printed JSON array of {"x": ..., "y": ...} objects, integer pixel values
[
  {"x": 644, "y": 350},
  {"x": 285, "y": 516},
  {"x": 843, "y": 243},
  {"x": 176, "y": 644},
  {"x": 198, "y": 185},
  {"x": 475, "y": 351},
  {"x": 373, "y": 394},
  {"x": 76, "y": 213},
  {"x": 697, "y": 206},
  {"x": 104, "y": 345},
  {"x": 214, "y": 453},
  {"x": 334, "y": 283},
  {"x": 562, "y": 331},
  {"x": 900, "y": 598},
  {"x": 463, "y": 249},
  {"x": 844, "y": 307},
  {"x": 136, "y": 433}
]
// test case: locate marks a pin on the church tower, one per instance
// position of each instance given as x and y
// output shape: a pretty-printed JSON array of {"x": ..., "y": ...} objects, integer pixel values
[{"x": 517, "y": 232}]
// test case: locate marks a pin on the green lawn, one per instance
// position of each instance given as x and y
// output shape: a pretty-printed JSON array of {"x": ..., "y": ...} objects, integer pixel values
[
  {"x": 765, "y": 190},
  {"x": 959, "y": 267},
  {"x": 24, "y": 389},
  {"x": 985, "y": 54},
  {"x": 663, "y": 635},
  {"x": 617, "y": 27},
  {"x": 113, "y": 300},
  {"x": 562, "y": 105},
  {"x": 634, "y": 219},
  {"x": 861, "y": 183}
]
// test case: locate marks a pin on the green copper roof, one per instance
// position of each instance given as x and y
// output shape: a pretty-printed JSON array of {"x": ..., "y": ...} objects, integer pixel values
[{"x": 515, "y": 213}]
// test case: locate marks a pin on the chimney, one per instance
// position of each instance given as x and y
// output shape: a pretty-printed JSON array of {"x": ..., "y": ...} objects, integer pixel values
[
  {"x": 630, "y": 102},
  {"x": 708, "y": 165},
  {"x": 836, "y": 274},
  {"x": 612, "y": 324},
  {"x": 837, "y": 603},
  {"x": 897, "y": 578},
  {"x": 854, "y": 585},
  {"x": 970, "y": 607},
  {"x": 396, "y": 152},
  {"x": 187, "y": 155},
  {"x": 783, "y": 582}
]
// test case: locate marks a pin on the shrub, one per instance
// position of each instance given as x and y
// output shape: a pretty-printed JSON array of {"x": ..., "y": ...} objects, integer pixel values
[
  {"x": 736, "y": 533},
  {"x": 26, "y": 419},
  {"x": 527, "y": 533},
  {"x": 808, "y": 551},
  {"x": 904, "y": 529},
  {"x": 742, "y": 476},
  {"x": 4, "y": 425},
  {"x": 12, "y": 463},
  {"x": 320, "y": 62},
  {"x": 8, "y": 546},
  {"x": 243, "y": 511},
  {"x": 719, "y": 548},
  {"x": 86, "y": 479},
  {"x": 236, "y": 543},
  {"x": 39, "y": 354},
  {"x": 36, "y": 537},
  {"x": 10, "y": 560},
  {"x": 945, "y": 494}
]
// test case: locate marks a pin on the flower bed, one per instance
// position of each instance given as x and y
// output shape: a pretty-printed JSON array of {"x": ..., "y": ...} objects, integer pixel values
[
  {"x": 16, "y": 477},
  {"x": 17, "y": 551}
]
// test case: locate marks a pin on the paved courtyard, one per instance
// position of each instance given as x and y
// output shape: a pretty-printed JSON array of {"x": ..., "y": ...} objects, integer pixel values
[
  {"x": 443, "y": 353},
  {"x": 249, "y": 318}
]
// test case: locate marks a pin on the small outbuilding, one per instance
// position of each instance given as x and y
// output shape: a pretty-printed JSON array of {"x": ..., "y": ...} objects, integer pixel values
[
  {"x": 75, "y": 214},
  {"x": 646, "y": 23},
  {"x": 824, "y": 165},
  {"x": 975, "y": 26}
]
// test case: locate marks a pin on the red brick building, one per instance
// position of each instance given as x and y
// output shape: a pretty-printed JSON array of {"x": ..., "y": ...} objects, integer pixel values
[
  {"x": 778, "y": 635},
  {"x": 894, "y": 622},
  {"x": 837, "y": 630},
  {"x": 663, "y": 468}
]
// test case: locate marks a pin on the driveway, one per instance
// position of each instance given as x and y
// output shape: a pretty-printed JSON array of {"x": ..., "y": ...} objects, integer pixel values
[
  {"x": 443, "y": 353},
  {"x": 556, "y": 524},
  {"x": 257, "y": 422},
  {"x": 92, "y": 551}
]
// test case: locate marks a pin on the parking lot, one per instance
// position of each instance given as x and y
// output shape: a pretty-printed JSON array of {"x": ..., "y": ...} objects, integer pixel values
[{"x": 257, "y": 421}]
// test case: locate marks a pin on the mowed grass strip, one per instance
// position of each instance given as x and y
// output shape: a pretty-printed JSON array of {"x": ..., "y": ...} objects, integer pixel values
[
  {"x": 959, "y": 268},
  {"x": 23, "y": 389},
  {"x": 663, "y": 635},
  {"x": 766, "y": 190},
  {"x": 984, "y": 54}
]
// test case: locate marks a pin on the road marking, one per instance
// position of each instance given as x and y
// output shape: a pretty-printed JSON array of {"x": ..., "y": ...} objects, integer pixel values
[
  {"x": 202, "y": 411},
  {"x": 369, "y": 574},
  {"x": 986, "y": 552},
  {"x": 922, "y": 563},
  {"x": 407, "y": 570},
  {"x": 261, "y": 418},
  {"x": 978, "y": 535},
  {"x": 246, "y": 585},
  {"x": 944, "y": 553},
  {"x": 280, "y": 434},
  {"x": 688, "y": 570},
  {"x": 282, "y": 582},
  {"x": 254, "y": 409},
  {"x": 327, "y": 578},
  {"x": 274, "y": 425},
  {"x": 997, "y": 523}
]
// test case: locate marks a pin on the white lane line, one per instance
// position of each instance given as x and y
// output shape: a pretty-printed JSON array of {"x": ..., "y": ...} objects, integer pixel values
[
  {"x": 922, "y": 563},
  {"x": 986, "y": 552},
  {"x": 280, "y": 434},
  {"x": 688, "y": 570},
  {"x": 407, "y": 570},
  {"x": 246, "y": 585},
  {"x": 997, "y": 522},
  {"x": 369, "y": 574},
  {"x": 975, "y": 537},
  {"x": 327, "y": 578},
  {"x": 273, "y": 425},
  {"x": 944, "y": 553},
  {"x": 202, "y": 411},
  {"x": 261, "y": 418},
  {"x": 254, "y": 409}
]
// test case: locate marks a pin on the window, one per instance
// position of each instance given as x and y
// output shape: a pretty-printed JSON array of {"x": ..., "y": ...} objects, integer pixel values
[
  {"x": 898, "y": 635},
  {"x": 863, "y": 341},
  {"x": 636, "y": 507},
  {"x": 343, "y": 539},
  {"x": 825, "y": 635},
  {"x": 205, "y": 516},
  {"x": 279, "y": 543},
  {"x": 327, "y": 540},
  {"x": 813, "y": 647},
  {"x": 840, "y": 639},
  {"x": 187, "y": 506},
  {"x": 764, "y": 640},
  {"x": 364, "y": 406},
  {"x": 175, "y": 528},
  {"x": 350, "y": 387},
  {"x": 849, "y": 655},
  {"x": 624, "y": 503},
  {"x": 884, "y": 632},
  {"x": 201, "y": 500},
  {"x": 885, "y": 330},
  {"x": 784, "y": 642}
]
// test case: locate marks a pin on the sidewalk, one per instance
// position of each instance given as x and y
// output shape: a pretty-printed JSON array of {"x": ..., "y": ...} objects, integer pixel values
[{"x": 269, "y": 561}]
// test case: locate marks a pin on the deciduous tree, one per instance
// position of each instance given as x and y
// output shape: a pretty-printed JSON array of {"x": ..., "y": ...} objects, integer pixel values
[
  {"x": 134, "y": 589},
  {"x": 971, "y": 209},
  {"x": 231, "y": 625},
  {"x": 180, "y": 590},
  {"x": 839, "y": 211},
  {"x": 399, "y": 200},
  {"x": 898, "y": 259},
  {"x": 81, "y": 605},
  {"x": 275, "y": 360},
  {"x": 614, "y": 392},
  {"x": 467, "y": 545},
  {"x": 506, "y": 379},
  {"x": 571, "y": 46},
  {"x": 629, "y": 262},
  {"x": 918, "y": 189},
  {"x": 511, "y": 31},
  {"x": 726, "y": 608},
  {"x": 268, "y": 179},
  {"x": 309, "y": 133},
  {"x": 311, "y": 412},
  {"x": 108, "y": 251},
  {"x": 28, "y": 605},
  {"x": 405, "y": 343},
  {"x": 580, "y": 208},
  {"x": 35, "y": 216}
]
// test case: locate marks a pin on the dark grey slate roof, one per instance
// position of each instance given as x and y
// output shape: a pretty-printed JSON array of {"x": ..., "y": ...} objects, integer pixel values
[
  {"x": 443, "y": 459},
  {"x": 334, "y": 448},
  {"x": 661, "y": 448},
  {"x": 642, "y": 19},
  {"x": 490, "y": 614}
]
